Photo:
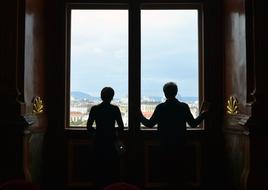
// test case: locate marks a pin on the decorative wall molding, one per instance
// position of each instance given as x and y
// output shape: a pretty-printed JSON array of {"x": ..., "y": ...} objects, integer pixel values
[
  {"x": 232, "y": 105},
  {"x": 38, "y": 105}
]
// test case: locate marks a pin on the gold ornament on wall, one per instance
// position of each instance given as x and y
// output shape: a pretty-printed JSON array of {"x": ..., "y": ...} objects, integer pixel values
[
  {"x": 38, "y": 105},
  {"x": 232, "y": 106}
]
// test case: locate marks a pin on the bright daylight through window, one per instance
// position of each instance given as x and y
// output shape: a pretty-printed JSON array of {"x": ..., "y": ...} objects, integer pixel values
[
  {"x": 169, "y": 52},
  {"x": 99, "y": 58}
]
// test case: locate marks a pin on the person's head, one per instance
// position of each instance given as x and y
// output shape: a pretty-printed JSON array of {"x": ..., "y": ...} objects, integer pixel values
[
  {"x": 107, "y": 94},
  {"x": 170, "y": 90}
]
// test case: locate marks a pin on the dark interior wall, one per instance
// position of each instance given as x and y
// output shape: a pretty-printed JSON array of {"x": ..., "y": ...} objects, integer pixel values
[
  {"x": 35, "y": 84},
  {"x": 54, "y": 150},
  {"x": 11, "y": 53},
  {"x": 215, "y": 159},
  {"x": 22, "y": 78},
  {"x": 34, "y": 59},
  {"x": 237, "y": 84},
  {"x": 259, "y": 13},
  {"x": 245, "y": 24},
  {"x": 258, "y": 122},
  {"x": 11, "y": 57},
  {"x": 235, "y": 51}
]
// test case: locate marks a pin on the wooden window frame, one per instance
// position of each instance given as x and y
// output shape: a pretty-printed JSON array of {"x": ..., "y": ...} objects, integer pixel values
[{"x": 134, "y": 51}]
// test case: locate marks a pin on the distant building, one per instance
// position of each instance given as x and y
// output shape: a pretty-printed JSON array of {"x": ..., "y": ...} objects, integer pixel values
[
  {"x": 79, "y": 109},
  {"x": 147, "y": 114},
  {"x": 76, "y": 116},
  {"x": 148, "y": 107}
]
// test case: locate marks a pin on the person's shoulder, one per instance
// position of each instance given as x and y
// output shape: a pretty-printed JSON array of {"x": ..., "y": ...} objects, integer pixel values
[
  {"x": 114, "y": 106},
  {"x": 95, "y": 107},
  {"x": 183, "y": 104},
  {"x": 98, "y": 106},
  {"x": 161, "y": 105}
]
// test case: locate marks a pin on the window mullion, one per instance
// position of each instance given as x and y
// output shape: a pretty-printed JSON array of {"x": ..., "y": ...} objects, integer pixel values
[{"x": 134, "y": 67}]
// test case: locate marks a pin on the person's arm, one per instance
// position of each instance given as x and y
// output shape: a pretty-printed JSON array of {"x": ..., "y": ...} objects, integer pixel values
[
  {"x": 194, "y": 122},
  {"x": 189, "y": 117},
  {"x": 120, "y": 147},
  {"x": 200, "y": 118},
  {"x": 152, "y": 121},
  {"x": 119, "y": 121},
  {"x": 90, "y": 121}
]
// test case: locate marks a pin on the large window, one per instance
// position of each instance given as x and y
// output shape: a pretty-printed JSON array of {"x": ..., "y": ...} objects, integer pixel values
[
  {"x": 169, "y": 52},
  {"x": 135, "y": 52},
  {"x": 99, "y": 58}
]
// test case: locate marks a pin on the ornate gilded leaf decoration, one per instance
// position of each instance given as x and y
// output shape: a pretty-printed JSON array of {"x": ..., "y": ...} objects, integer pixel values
[
  {"x": 232, "y": 106},
  {"x": 38, "y": 105}
]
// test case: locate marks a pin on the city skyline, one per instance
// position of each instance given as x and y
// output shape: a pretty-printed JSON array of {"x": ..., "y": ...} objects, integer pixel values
[{"x": 80, "y": 108}]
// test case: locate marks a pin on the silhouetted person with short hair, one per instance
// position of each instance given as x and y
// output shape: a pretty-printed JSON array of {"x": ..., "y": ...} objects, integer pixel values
[
  {"x": 107, "y": 159},
  {"x": 171, "y": 117}
]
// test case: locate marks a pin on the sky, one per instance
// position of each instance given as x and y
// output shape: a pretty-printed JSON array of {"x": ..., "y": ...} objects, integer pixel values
[{"x": 99, "y": 51}]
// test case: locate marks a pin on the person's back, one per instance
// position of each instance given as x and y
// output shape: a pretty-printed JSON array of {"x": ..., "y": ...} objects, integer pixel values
[
  {"x": 106, "y": 156},
  {"x": 171, "y": 118},
  {"x": 172, "y": 122},
  {"x": 105, "y": 116}
]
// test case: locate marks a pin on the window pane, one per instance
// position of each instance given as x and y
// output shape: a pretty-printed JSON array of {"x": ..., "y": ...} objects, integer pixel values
[
  {"x": 99, "y": 58},
  {"x": 169, "y": 52}
]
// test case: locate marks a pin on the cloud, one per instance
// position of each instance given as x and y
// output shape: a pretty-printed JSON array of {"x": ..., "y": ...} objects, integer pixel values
[
  {"x": 168, "y": 19},
  {"x": 99, "y": 50},
  {"x": 98, "y": 26}
]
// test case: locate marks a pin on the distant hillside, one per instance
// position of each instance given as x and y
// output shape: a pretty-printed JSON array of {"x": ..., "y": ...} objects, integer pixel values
[{"x": 77, "y": 95}]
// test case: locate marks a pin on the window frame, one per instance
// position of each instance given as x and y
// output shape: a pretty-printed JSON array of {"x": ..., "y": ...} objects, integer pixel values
[
  {"x": 134, "y": 53},
  {"x": 186, "y": 6},
  {"x": 68, "y": 9}
]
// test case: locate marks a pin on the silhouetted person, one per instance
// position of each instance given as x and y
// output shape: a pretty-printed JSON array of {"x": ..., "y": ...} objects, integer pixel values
[
  {"x": 107, "y": 159},
  {"x": 171, "y": 117}
]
